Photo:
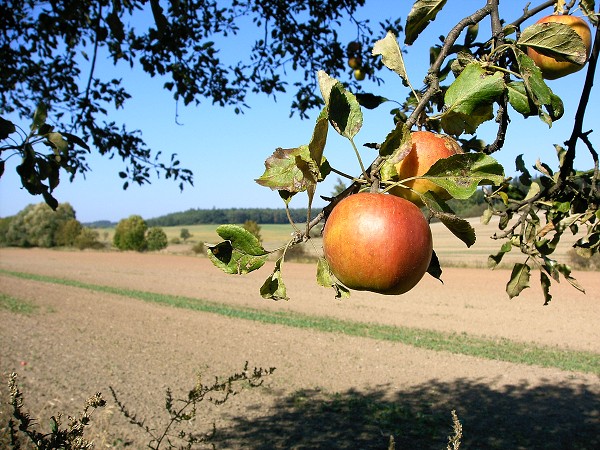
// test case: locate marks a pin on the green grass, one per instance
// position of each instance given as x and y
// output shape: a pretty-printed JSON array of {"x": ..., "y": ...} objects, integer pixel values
[
  {"x": 16, "y": 305},
  {"x": 480, "y": 347}
]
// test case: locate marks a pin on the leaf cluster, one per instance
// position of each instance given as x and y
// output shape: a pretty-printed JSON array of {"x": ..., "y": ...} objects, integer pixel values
[
  {"x": 491, "y": 79},
  {"x": 51, "y": 52}
]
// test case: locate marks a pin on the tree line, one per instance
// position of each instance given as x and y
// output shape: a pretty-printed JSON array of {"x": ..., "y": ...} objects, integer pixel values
[
  {"x": 228, "y": 216},
  {"x": 471, "y": 208},
  {"x": 38, "y": 225}
]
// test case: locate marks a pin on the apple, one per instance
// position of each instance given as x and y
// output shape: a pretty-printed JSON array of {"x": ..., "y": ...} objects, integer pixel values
[
  {"x": 353, "y": 48},
  {"x": 427, "y": 149},
  {"x": 377, "y": 242},
  {"x": 355, "y": 62},
  {"x": 552, "y": 68},
  {"x": 359, "y": 74}
]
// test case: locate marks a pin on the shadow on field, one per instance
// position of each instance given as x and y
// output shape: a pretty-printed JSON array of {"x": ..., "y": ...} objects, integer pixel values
[{"x": 541, "y": 417}]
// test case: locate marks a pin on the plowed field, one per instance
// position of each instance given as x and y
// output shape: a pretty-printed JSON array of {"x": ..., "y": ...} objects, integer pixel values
[{"x": 330, "y": 389}]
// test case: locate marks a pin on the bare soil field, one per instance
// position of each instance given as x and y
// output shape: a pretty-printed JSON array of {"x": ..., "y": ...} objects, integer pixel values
[{"x": 328, "y": 390}]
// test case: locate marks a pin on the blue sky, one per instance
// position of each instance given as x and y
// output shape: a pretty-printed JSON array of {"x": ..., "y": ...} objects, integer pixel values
[{"x": 226, "y": 151}]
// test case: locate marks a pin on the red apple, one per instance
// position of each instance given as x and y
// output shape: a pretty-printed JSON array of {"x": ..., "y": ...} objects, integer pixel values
[
  {"x": 427, "y": 149},
  {"x": 550, "y": 67},
  {"x": 377, "y": 242}
]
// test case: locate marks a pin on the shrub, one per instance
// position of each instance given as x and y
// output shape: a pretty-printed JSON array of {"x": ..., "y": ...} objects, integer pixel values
[
  {"x": 298, "y": 253},
  {"x": 130, "y": 234},
  {"x": 583, "y": 263},
  {"x": 38, "y": 225},
  {"x": 175, "y": 241},
  {"x": 68, "y": 233},
  {"x": 156, "y": 239},
  {"x": 198, "y": 248},
  {"x": 254, "y": 228},
  {"x": 88, "y": 238}
]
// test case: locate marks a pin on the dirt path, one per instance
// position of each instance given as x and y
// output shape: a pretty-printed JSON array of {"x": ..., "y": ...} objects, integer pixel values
[{"x": 329, "y": 391}]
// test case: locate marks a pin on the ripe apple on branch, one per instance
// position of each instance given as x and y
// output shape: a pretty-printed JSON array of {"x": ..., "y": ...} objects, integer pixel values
[{"x": 375, "y": 237}]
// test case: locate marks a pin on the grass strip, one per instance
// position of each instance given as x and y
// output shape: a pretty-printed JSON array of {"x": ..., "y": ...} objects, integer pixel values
[
  {"x": 16, "y": 305},
  {"x": 480, "y": 347}
]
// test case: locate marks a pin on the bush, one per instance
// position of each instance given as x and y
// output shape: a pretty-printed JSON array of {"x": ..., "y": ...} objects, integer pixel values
[
  {"x": 88, "y": 238},
  {"x": 130, "y": 234},
  {"x": 156, "y": 239},
  {"x": 583, "y": 263},
  {"x": 38, "y": 225},
  {"x": 175, "y": 241},
  {"x": 68, "y": 232},
  {"x": 198, "y": 248},
  {"x": 298, "y": 253},
  {"x": 254, "y": 228}
]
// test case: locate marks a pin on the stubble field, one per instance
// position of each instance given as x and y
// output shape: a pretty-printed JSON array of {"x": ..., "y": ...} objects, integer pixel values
[{"x": 332, "y": 388}]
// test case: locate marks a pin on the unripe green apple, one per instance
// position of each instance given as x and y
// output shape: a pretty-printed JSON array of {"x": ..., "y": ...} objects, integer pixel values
[
  {"x": 359, "y": 74},
  {"x": 377, "y": 242},
  {"x": 427, "y": 149},
  {"x": 550, "y": 67}
]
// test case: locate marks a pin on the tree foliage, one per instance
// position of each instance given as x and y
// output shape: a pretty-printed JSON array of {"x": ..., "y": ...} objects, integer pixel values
[
  {"x": 130, "y": 234},
  {"x": 470, "y": 82},
  {"x": 37, "y": 225},
  {"x": 50, "y": 53},
  {"x": 156, "y": 239}
]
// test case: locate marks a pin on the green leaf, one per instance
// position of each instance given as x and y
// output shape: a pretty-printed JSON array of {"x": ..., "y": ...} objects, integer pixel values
[
  {"x": 566, "y": 273},
  {"x": 397, "y": 144},
  {"x": 239, "y": 253},
  {"x": 39, "y": 117},
  {"x": 545, "y": 283},
  {"x": 391, "y": 55},
  {"x": 469, "y": 100},
  {"x": 494, "y": 260},
  {"x": 292, "y": 170},
  {"x": 326, "y": 83},
  {"x": 57, "y": 141},
  {"x": 556, "y": 40},
  {"x": 537, "y": 90},
  {"x": 344, "y": 112},
  {"x": 487, "y": 216},
  {"x": 76, "y": 140},
  {"x": 460, "y": 174},
  {"x": 317, "y": 143},
  {"x": 536, "y": 87},
  {"x": 459, "y": 227},
  {"x": 518, "y": 98},
  {"x": 273, "y": 287},
  {"x": 525, "y": 177},
  {"x": 421, "y": 13},
  {"x": 370, "y": 101},
  {"x": 327, "y": 279},
  {"x": 6, "y": 128},
  {"x": 519, "y": 279},
  {"x": 435, "y": 269}
]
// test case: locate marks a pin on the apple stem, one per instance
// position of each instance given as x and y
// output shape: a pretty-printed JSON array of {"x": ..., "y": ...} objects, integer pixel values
[{"x": 362, "y": 166}]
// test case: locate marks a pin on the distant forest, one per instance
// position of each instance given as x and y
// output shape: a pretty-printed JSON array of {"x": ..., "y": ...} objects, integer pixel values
[
  {"x": 472, "y": 207},
  {"x": 230, "y": 215}
]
